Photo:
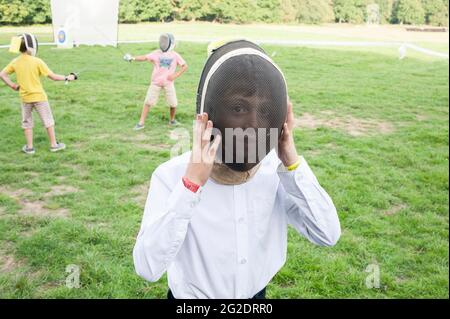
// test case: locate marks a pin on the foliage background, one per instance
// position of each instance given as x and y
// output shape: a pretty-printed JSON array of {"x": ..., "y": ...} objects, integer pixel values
[{"x": 432, "y": 12}]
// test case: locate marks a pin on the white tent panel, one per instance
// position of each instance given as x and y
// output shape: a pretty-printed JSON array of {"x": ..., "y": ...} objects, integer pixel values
[{"x": 87, "y": 21}]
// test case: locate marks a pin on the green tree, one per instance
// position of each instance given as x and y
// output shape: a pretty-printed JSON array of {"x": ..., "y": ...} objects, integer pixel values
[
  {"x": 386, "y": 7},
  {"x": 155, "y": 10},
  {"x": 25, "y": 11},
  {"x": 191, "y": 9},
  {"x": 288, "y": 11},
  {"x": 128, "y": 11},
  {"x": 306, "y": 11},
  {"x": 268, "y": 10},
  {"x": 239, "y": 11},
  {"x": 39, "y": 10},
  {"x": 352, "y": 11},
  {"x": 409, "y": 12},
  {"x": 436, "y": 12},
  {"x": 314, "y": 11},
  {"x": 13, "y": 12}
]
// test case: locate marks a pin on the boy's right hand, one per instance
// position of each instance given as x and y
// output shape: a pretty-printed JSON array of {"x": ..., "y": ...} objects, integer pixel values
[
  {"x": 128, "y": 57},
  {"x": 203, "y": 151},
  {"x": 15, "y": 87}
]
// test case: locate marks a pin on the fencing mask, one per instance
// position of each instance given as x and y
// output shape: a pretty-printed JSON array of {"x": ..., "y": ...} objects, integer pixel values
[
  {"x": 166, "y": 42},
  {"x": 245, "y": 96},
  {"x": 25, "y": 42}
]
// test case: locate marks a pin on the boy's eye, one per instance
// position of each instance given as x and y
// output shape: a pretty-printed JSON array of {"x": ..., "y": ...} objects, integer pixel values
[{"x": 239, "y": 109}]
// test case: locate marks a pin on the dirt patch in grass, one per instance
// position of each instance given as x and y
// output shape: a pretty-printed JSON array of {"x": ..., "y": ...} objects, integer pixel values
[
  {"x": 17, "y": 193},
  {"x": 7, "y": 261},
  {"x": 59, "y": 190},
  {"x": 349, "y": 124},
  {"x": 421, "y": 117},
  {"x": 132, "y": 138},
  {"x": 400, "y": 280},
  {"x": 33, "y": 174},
  {"x": 395, "y": 209},
  {"x": 143, "y": 141},
  {"x": 77, "y": 145},
  {"x": 103, "y": 136},
  {"x": 38, "y": 208},
  {"x": 139, "y": 193},
  {"x": 3, "y": 213}
]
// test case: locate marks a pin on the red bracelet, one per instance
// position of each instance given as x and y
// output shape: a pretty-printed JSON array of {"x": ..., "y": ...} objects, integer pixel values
[{"x": 190, "y": 185}]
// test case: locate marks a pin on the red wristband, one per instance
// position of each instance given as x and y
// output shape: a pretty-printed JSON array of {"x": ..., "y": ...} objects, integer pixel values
[{"x": 190, "y": 185}]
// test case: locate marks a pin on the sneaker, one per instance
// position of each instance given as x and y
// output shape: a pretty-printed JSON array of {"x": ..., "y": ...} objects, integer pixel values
[
  {"x": 58, "y": 147},
  {"x": 138, "y": 127},
  {"x": 174, "y": 122},
  {"x": 27, "y": 150}
]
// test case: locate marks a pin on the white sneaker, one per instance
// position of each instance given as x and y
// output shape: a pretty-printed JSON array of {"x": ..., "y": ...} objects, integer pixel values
[
  {"x": 58, "y": 147},
  {"x": 138, "y": 127},
  {"x": 27, "y": 150}
]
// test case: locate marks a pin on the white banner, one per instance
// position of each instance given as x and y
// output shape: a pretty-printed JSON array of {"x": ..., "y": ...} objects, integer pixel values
[{"x": 85, "y": 21}]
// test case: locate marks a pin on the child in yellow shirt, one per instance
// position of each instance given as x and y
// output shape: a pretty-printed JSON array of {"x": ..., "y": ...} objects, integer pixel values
[{"x": 28, "y": 69}]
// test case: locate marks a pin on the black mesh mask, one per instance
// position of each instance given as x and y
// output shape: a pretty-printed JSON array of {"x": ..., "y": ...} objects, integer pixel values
[
  {"x": 245, "y": 96},
  {"x": 166, "y": 42}
]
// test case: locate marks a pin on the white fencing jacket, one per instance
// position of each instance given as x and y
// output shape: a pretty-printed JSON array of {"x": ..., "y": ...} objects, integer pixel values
[{"x": 229, "y": 241}]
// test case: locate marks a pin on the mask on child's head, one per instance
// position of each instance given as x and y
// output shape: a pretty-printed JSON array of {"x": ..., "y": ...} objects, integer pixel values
[
  {"x": 245, "y": 95},
  {"x": 28, "y": 40},
  {"x": 166, "y": 42}
]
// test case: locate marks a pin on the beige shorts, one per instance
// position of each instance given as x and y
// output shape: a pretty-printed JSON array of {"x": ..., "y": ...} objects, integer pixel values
[
  {"x": 153, "y": 94},
  {"x": 44, "y": 111}
]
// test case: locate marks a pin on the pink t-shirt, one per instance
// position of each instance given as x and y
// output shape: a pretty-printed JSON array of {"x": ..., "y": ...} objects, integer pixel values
[{"x": 165, "y": 64}]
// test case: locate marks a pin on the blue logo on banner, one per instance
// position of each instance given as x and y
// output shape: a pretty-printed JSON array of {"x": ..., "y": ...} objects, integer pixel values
[{"x": 61, "y": 36}]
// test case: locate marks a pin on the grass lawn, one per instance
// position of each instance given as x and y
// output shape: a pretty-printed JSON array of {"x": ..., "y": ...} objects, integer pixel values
[{"x": 374, "y": 130}]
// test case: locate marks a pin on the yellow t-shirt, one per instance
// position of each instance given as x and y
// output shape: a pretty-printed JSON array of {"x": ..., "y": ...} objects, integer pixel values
[{"x": 28, "y": 71}]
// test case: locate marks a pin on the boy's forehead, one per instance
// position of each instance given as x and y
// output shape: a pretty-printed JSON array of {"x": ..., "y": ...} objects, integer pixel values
[{"x": 250, "y": 99}]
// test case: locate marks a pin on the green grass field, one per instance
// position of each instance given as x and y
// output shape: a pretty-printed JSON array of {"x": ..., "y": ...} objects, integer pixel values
[{"x": 374, "y": 130}]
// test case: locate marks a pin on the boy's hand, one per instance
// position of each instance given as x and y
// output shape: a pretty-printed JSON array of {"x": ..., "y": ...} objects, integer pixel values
[
  {"x": 128, "y": 57},
  {"x": 15, "y": 87},
  {"x": 172, "y": 77},
  {"x": 203, "y": 151},
  {"x": 286, "y": 146}
]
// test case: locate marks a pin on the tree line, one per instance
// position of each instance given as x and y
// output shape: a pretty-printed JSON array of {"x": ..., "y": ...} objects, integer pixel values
[{"x": 431, "y": 12}]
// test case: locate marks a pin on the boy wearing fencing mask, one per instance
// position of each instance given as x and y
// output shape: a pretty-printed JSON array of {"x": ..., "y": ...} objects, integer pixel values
[
  {"x": 216, "y": 218},
  {"x": 165, "y": 62},
  {"x": 28, "y": 69}
]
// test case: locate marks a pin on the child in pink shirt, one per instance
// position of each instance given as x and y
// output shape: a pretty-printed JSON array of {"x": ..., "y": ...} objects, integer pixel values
[{"x": 165, "y": 62}]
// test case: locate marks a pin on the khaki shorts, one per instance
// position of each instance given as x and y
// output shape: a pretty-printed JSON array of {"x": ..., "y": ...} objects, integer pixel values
[
  {"x": 44, "y": 111},
  {"x": 153, "y": 94}
]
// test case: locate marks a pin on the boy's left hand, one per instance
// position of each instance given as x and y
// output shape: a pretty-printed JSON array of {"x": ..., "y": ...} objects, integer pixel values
[
  {"x": 15, "y": 87},
  {"x": 286, "y": 146}
]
